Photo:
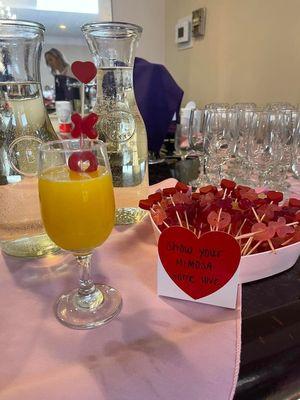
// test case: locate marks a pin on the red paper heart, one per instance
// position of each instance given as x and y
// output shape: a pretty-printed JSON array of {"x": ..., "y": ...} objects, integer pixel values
[
  {"x": 84, "y": 71},
  {"x": 84, "y": 125},
  {"x": 77, "y": 159},
  {"x": 202, "y": 266}
]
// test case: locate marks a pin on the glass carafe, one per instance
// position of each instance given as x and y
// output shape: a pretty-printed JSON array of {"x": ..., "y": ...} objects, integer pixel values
[
  {"x": 120, "y": 124},
  {"x": 24, "y": 125}
]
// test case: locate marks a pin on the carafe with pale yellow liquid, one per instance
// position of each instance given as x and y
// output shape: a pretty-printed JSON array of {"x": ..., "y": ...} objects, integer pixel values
[
  {"x": 120, "y": 124},
  {"x": 24, "y": 125}
]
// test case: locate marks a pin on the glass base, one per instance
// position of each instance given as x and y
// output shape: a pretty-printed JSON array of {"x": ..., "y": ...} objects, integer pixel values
[
  {"x": 129, "y": 215},
  {"x": 155, "y": 158},
  {"x": 99, "y": 308},
  {"x": 30, "y": 247}
]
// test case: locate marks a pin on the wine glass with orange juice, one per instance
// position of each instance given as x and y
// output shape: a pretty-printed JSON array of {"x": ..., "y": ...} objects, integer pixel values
[{"x": 78, "y": 211}]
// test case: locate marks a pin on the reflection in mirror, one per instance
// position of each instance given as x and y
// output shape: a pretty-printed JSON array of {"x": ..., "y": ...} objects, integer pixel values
[{"x": 64, "y": 42}]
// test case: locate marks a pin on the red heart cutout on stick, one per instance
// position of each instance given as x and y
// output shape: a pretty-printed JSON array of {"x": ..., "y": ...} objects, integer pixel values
[
  {"x": 202, "y": 266},
  {"x": 84, "y": 71},
  {"x": 83, "y": 161},
  {"x": 84, "y": 125}
]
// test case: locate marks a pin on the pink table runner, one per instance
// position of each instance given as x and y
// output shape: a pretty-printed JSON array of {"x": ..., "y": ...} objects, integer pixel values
[{"x": 158, "y": 348}]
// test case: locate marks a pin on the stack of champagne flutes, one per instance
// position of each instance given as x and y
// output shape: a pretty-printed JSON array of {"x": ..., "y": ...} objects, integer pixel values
[{"x": 257, "y": 146}]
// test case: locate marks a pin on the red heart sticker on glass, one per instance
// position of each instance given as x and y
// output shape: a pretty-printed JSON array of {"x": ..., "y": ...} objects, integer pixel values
[
  {"x": 85, "y": 71},
  {"x": 201, "y": 266}
]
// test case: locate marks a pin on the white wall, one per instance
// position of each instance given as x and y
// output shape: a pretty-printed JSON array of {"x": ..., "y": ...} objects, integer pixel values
[
  {"x": 150, "y": 14},
  {"x": 250, "y": 52}
]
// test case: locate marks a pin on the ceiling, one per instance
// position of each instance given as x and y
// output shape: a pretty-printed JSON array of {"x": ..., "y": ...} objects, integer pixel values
[{"x": 52, "y": 19}]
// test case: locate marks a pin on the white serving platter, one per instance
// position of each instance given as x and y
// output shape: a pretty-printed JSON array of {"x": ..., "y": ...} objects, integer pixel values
[{"x": 261, "y": 265}]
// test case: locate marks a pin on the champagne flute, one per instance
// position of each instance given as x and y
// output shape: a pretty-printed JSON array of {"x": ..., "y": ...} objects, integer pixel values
[
  {"x": 218, "y": 140},
  {"x": 197, "y": 145},
  {"x": 181, "y": 142},
  {"x": 78, "y": 209}
]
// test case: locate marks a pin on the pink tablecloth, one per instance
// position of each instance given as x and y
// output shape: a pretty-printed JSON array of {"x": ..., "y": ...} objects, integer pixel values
[{"x": 158, "y": 348}]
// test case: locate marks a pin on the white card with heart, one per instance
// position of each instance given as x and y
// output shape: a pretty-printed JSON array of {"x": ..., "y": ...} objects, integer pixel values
[{"x": 202, "y": 270}]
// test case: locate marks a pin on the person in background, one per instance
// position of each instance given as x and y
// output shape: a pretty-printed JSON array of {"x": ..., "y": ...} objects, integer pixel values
[
  {"x": 66, "y": 85},
  {"x": 58, "y": 65}
]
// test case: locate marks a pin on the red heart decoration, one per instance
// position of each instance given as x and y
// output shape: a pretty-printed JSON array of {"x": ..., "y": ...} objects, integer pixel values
[
  {"x": 84, "y": 125},
  {"x": 84, "y": 71},
  {"x": 76, "y": 160},
  {"x": 76, "y": 130},
  {"x": 202, "y": 266}
]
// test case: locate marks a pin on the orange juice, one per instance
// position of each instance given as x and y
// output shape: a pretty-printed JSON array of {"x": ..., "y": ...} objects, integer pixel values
[{"x": 78, "y": 209}]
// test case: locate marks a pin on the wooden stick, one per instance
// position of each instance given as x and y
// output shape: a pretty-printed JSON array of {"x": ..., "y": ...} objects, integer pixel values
[
  {"x": 229, "y": 228},
  {"x": 265, "y": 213},
  {"x": 287, "y": 241},
  {"x": 292, "y": 223},
  {"x": 259, "y": 220},
  {"x": 255, "y": 213},
  {"x": 247, "y": 245},
  {"x": 166, "y": 225},
  {"x": 199, "y": 234},
  {"x": 254, "y": 248},
  {"x": 82, "y": 99},
  {"x": 82, "y": 114},
  {"x": 218, "y": 220},
  {"x": 241, "y": 227},
  {"x": 247, "y": 235},
  {"x": 271, "y": 245},
  {"x": 186, "y": 220},
  {"x": 177, "y": 215}
]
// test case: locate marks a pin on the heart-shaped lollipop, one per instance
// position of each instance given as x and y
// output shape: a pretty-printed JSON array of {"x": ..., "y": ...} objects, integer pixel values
[{"x": 85, "y": 71}]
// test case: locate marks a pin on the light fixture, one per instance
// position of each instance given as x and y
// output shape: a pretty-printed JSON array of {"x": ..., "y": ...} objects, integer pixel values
[
  {"x": 78, "y": 6},
  {"x": 62, "y": 26}
]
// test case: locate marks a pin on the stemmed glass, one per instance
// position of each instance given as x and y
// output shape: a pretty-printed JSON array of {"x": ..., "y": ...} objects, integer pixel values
[
  {"x": 217, "y": 106},
  {"x": 280, "y": 125},
  {"x": 262, "y": 155},
  {"x": 243, "y": 121},
  {"x": 218, "y": 139},
  {"x": 196, "y": 139},
  {"x": 78, "y": 211},
  {"x": 279, "y": 106},
  {"x": 296, "y": 145},
  {"x": 181, "y": 142},
  {"x": 212, "y": 132},
  {"x": 267, "y": 150}
]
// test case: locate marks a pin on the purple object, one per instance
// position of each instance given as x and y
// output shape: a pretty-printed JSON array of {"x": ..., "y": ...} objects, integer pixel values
[{"x": 158, "y": 98}]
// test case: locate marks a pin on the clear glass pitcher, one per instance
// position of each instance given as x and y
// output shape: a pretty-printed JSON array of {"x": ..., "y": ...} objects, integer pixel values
[
  {"x": 24, "y": 125},
  {"x": 120, "y": 124}
]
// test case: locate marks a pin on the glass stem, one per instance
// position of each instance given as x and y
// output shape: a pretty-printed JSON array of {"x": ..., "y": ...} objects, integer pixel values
[
  {"x": 86, "y": 284},
  {"x": 205, "y": 165}
]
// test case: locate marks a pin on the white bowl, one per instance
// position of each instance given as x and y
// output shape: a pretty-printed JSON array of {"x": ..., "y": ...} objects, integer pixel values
[{"x": 261, "y": 265}]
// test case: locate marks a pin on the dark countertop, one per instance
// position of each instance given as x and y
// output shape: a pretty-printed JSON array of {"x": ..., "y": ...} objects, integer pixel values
[{"x": 270, "y": 355}]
